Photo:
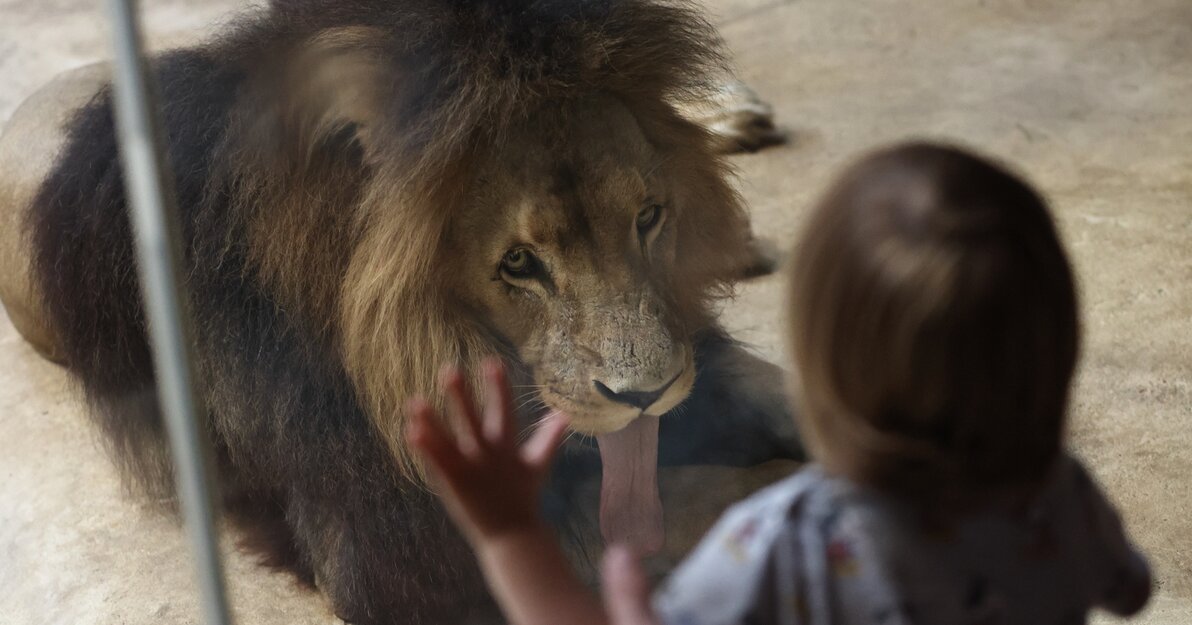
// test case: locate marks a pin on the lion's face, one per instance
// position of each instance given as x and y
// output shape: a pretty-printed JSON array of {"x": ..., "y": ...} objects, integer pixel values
[{"x": 567, "y": 252}]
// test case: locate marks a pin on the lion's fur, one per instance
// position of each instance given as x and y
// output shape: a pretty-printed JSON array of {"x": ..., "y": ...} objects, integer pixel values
[{"x": 323, "y": 153}]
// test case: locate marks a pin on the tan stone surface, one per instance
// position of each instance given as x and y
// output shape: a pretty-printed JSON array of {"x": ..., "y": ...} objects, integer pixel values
[{"x": 1091, "y": 98}]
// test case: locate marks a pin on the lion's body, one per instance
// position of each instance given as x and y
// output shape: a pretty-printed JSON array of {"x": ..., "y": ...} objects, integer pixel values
[
  {"x": 343, "y": 178},
  {"x": 29, "y": 143},
  {"x": 245, "y": 355}
]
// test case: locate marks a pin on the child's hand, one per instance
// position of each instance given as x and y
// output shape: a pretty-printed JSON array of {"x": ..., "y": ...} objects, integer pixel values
[
  {"x": 490, "y": 486},
  {"x": 626, "y": 589}
]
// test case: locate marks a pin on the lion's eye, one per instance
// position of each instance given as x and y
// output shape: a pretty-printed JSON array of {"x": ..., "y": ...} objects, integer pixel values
[
  {"x": 648, "y": 217},
  {"x": 519, "y": 263}
]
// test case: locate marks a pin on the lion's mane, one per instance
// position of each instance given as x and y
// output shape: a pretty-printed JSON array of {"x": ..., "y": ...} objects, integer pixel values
[{"x": 318, "y": 149}]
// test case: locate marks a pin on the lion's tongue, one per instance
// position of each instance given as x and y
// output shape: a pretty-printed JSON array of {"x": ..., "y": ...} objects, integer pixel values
[{"x": 630, "y": 510}]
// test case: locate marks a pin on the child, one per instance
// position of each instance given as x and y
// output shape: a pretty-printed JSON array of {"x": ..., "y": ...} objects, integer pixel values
[{"x": 934, "y": 331}]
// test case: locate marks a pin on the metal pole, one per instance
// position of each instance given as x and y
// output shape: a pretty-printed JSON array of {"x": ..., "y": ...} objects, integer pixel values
[{"x": 158, "y": 235}]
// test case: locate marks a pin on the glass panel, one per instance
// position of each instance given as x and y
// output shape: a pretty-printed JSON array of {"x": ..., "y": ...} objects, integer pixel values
[{"x": 603, "y": 194}]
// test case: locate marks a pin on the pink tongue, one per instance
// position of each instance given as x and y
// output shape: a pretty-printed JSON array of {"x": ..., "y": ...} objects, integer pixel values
[{"x": 630, "y": 510}]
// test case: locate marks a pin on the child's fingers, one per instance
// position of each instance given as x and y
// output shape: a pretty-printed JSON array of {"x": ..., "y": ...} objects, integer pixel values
[
  {"x": 542, "y": 446},
  {"x": 626, "y": 589},
  {"x": 498, "y": 409},
  {"x": 427, "y": 435},
  {"x": 463, "y": 409}
]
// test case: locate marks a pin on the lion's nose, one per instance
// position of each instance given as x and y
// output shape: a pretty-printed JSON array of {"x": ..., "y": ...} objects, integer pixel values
[{"x": 637, "y": 399}]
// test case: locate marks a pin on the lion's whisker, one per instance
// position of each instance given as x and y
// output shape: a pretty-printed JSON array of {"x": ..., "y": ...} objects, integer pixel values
[
  {"x": 523, "y": 396},
  {"x": 534, "y": 401},
  {"x": 526, "y": 433}
]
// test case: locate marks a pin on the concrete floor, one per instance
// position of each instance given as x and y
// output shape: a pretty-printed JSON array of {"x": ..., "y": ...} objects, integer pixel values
[{"x": 1091, "y": 98}]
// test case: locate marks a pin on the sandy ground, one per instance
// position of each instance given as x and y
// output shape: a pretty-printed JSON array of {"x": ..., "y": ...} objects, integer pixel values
[{"x": 1091, "y": 98}]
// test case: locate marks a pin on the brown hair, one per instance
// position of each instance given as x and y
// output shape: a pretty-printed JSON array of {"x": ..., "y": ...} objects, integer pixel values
[{"x": 934, "y": 326}]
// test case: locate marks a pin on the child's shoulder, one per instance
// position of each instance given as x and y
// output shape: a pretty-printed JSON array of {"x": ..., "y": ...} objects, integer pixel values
[
  {"x": 809, "y": 492},
  {"x": 783, "y": 495},
  {"x": 1070, "y": 488},
  {"x": 767, "y": 551},
  {"x": 719, "y": 581}
]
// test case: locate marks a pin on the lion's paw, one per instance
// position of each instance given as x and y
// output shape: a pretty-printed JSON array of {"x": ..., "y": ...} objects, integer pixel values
[
  {"x": 765, "y": 257},
  {"x": 739, "y": 120}
]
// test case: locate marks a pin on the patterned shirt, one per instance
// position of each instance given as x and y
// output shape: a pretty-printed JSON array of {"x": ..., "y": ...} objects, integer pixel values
[{"x": 818, "y": 549}]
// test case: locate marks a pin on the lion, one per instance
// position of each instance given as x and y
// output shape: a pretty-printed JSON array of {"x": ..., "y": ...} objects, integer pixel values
[{"x": 370, "y": 189}]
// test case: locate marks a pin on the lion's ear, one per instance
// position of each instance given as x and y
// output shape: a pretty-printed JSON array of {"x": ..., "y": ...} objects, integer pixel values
[{"x": 329, "y": 94}]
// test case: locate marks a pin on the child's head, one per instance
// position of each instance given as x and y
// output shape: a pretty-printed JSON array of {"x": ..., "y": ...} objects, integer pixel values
[{"x": 933, "y": 325}]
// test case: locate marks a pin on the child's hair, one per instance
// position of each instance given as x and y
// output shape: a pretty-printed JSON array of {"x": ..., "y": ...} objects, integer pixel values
[{"x": 933, "y": 326}]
